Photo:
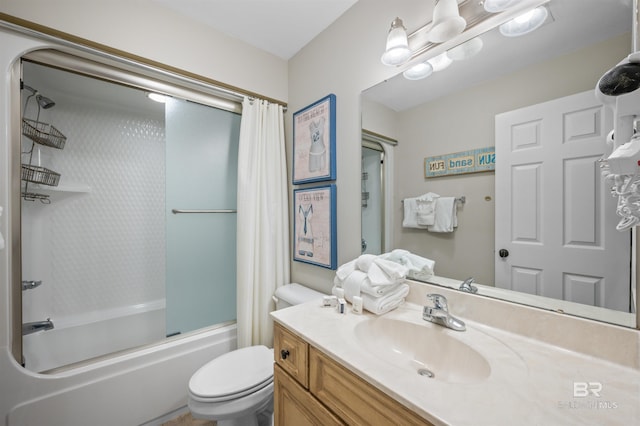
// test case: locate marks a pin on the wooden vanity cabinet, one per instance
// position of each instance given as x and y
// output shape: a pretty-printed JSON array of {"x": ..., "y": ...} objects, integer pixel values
[{"x": 312, "y": 389}]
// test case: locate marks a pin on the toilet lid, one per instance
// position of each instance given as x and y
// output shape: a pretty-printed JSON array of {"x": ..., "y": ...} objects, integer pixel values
[{"x": 236, "y": 372}]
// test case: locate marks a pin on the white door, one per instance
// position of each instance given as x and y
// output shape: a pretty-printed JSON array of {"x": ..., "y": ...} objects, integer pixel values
[{"x": 555, "y": 219}]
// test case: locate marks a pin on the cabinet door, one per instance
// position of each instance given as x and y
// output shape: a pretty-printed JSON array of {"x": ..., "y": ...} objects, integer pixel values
[
  {"x": 291, "y": 353},
  {"x": 294, "y": 406},
  {"x": 354, "y": 400}
]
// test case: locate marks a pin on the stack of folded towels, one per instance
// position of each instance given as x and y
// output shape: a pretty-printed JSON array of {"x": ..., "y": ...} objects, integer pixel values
[{"x": 379, "y": 280}]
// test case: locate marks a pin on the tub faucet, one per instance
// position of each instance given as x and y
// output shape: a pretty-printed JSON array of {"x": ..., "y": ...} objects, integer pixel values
[
  {"x": 32, "y": 327},
  {"x": 439, "y": 314},
  {"x": 467, "y": 285}
]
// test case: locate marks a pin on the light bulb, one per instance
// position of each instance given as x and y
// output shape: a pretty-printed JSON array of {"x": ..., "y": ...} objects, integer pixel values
[
  {"x": 525, "y": 23},
  {"x": 418, "y": 71},
  {"x": 397, "y": 49},
  {"x": 495, "y": 6},
  {"x": 440, "y": 62}
]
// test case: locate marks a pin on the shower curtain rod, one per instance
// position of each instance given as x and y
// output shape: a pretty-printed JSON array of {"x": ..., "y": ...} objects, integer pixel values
[{"x": 49, "y": 34}]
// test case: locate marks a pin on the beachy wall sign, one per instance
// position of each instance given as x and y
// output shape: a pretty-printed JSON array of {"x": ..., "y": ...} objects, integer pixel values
[{"x": 473, "y": 161}]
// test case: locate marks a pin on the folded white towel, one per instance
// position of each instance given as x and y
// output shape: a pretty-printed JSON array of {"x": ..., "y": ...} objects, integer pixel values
[
  {"x": 395, "y": 271},
  {"x": 365, "y": 286},
  {"x": 381, "y": 304},
  {"x": 417, "y": 266},
  {"x": 410, "y": 214},
  {"x": 353, "y": 283},
  {"x": 425, "y": 208},
  {"x": 364, "y": 262},
  {"x": 345, "y": 270},
  {"x": 446, "y": 215}
]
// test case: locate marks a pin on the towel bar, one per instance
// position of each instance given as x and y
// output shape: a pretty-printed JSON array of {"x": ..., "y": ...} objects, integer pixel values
[
  {"x": 176, "y": 211},
  {"x": 462, "y": 199}
]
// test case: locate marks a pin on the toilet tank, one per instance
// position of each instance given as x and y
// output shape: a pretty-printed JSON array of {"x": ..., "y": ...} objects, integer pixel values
[{"x": 295, "y": 294}]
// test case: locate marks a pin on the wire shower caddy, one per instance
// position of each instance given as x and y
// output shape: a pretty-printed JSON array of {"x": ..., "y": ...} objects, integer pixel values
[{"x": 43, "y": 134}]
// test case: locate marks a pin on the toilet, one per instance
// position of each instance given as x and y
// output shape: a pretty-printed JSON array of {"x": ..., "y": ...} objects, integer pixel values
[{"x": 236, "y": 388}]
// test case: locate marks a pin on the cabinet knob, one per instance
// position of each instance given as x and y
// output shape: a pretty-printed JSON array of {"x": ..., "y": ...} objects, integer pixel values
[
  {"x": 284, "y": 354},
  {"x": 503, "y": 253}
]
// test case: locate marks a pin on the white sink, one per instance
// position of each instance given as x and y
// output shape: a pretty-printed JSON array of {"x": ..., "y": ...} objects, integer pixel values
[{"x": 428, "y": 349}]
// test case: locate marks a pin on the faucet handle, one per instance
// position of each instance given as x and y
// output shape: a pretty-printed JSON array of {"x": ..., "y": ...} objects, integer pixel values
[
  {"x": 439, "y": 301},
  {"x": 467, "y": 285}
]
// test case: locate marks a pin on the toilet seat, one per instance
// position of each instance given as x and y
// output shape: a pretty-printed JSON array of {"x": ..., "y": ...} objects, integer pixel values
[{"x": 233, "y": 375}]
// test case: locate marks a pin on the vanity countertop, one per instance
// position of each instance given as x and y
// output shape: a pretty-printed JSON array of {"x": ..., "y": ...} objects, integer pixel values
[{"x": 530, "y": 383}]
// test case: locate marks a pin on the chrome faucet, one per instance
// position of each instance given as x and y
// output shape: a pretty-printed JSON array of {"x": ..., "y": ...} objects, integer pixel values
[
  {"x": 32, "y": 327},
  {"x": 468, "y": 286},
  {"x": 439, "y": 313}
]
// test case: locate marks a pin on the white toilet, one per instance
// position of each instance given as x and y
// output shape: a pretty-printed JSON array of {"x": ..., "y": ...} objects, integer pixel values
[{"x": 237, "y": 387}]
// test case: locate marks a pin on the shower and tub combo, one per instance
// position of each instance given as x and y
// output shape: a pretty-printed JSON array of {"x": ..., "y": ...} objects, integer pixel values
[
  {"x": 97, "y": 271},
  {"x": 106, "y": 263}
]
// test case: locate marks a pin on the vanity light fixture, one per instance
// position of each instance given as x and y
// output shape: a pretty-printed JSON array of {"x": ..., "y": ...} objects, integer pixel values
[
  {"x": 525, "y": 23},
  {"x": 440, "y": 62},
  {"x": 454, "y": 19},
  {"x": 466, "y": 50},
  {"x": 419, "y": 71},
  {"x": 447, "y": 22},
  {"x": 397, "y": 51},
  {"x": 495, "y": 6},
  {"x": 157, "y": 97}
]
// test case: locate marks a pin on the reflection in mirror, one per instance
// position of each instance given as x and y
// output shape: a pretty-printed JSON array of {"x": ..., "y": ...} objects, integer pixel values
[
  {"x": 115, "y": 268},
  {"x": 372, "y": 198},
  {"x": 377, "y": 157},
  {"x": 463, "y": 107}
]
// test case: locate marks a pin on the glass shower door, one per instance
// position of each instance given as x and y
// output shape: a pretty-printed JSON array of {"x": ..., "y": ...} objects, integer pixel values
[
  {"x": 201, "y": 170},
  {"x": 372, "y": 213}
]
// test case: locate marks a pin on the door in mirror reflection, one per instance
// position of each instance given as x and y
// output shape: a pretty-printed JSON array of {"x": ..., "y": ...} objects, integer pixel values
[{"x": 547, "y": 169}]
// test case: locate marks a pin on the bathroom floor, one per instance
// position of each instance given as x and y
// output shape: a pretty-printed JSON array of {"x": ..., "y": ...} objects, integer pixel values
[{"x": 187, "y": 420}]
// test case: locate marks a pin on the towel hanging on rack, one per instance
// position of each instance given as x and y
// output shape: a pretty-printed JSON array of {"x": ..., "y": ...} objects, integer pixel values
[
  {"x": 446, "y": 219},
  {"x": 422, "y": 212}
]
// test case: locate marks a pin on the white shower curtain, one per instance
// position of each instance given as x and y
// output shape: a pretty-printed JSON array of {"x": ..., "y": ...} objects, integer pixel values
[{"x": 263, "y": 219}]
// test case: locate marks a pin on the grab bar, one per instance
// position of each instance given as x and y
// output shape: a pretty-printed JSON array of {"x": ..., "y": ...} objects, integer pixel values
[
  {"x": 28, "y": 285},
  {"x": 176, "y": 211},
  {"x": 32, "y": 327}
]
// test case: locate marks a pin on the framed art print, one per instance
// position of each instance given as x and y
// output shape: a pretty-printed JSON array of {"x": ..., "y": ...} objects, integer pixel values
[
  {"x": 314, "y": 142},
  {"x": 314, "y": 226}
]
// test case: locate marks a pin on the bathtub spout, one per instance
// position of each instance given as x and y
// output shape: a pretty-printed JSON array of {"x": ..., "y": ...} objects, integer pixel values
[{"x": 32, "y": 327}]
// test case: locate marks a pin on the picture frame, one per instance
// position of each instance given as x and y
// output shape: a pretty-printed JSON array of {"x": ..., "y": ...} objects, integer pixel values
[
  {"x": 314, "y": 142},
  {"x": 314, "y": 226}
]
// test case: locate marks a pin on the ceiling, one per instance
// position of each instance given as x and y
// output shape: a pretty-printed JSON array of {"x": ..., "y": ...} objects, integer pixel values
[
  {"x": 280, "y": 27},
  {"x": 598, "y": 20}
]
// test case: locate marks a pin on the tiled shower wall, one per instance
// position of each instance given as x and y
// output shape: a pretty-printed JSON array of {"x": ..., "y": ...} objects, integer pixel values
[{"x": 104, "y": 249}]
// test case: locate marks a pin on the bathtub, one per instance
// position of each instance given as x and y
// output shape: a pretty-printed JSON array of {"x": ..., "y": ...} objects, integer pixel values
[
  {"x": 90, "y": 335},
  {"x": 146, "y": 386}
]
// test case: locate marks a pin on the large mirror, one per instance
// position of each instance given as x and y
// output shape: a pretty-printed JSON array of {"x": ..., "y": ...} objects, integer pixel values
[{"x": 489, "y": 100}]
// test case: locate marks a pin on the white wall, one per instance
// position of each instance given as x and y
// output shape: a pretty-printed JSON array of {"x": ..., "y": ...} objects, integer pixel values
[{"x": 146, "y": 29}]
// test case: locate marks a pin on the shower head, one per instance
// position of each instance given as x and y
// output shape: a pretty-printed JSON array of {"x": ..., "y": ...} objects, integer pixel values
[{"x": 43, "y": 101}]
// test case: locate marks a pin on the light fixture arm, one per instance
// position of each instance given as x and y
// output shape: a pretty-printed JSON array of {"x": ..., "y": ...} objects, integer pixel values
[{"x": 478, "y": 20}]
